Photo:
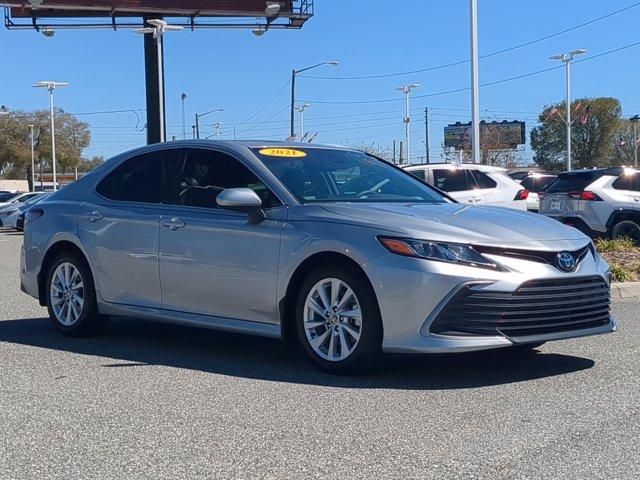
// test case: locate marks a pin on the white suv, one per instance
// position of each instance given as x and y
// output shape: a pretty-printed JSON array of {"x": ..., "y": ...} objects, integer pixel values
[
  {"x": 603, "y": 201},
  {"x": 475, "y": 184}
]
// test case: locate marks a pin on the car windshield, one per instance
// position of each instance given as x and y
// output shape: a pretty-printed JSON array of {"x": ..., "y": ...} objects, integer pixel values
[
  {"x": 328, "y": 175},
  {"x": 536, "y": 183}
]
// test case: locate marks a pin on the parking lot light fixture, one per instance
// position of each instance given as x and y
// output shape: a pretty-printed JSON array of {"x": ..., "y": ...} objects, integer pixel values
[
  {"x": 294, "y": 72},
  {"x": 51, "y": 86},
  {"x": 200, "y": 115},
  {"x": 567, "y": 58},
  {"x": 301, "y": 109},
  {"x": 406, "y": 89}
]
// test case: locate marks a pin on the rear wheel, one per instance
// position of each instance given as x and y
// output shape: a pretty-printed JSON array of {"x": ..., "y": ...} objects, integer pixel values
[
  {"x": 71, "y": 296},
  {"x": 626, "y": 228},
  {"x": 338, "y": 320}
]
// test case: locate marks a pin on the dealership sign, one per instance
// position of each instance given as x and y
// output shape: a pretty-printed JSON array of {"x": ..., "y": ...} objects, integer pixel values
[{"x": 495, "y": 135}]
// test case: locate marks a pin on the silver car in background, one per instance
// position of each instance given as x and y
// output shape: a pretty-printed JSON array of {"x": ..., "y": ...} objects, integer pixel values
[{"x": 339, "y": 250}]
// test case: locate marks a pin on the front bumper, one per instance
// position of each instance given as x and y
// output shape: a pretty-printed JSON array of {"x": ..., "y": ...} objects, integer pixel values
[{"x": 412, "y": 292}]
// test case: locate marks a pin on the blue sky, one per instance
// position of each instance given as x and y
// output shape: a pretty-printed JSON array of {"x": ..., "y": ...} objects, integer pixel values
[{"x": 240, "y": 72}]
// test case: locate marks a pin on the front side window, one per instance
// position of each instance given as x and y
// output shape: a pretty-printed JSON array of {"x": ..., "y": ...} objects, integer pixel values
[
  {"x": 143, "y": 178},
  {"x": 421, "y": 174},
  {"x": 328, "y": 175},
  {"x": 206, "y": 173}
]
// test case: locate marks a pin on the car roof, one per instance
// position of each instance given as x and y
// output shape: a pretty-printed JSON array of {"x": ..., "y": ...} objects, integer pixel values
[
  {"x": 614, "y": 171},
  {"x": 472, "y": 166}
]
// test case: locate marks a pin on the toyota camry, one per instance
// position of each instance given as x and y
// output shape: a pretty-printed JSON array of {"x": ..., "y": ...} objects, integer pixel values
[{"x": 331, "y": 247}]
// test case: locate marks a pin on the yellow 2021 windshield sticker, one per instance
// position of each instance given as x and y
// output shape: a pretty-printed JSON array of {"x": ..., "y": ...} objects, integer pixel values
[{"x": 282, "y": 152}]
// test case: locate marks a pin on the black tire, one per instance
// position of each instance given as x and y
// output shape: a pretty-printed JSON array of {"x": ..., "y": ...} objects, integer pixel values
[
  {"x": 89, "y": 320},
  {"x": 368, "y": 349},
  {"x": 527, "y": 347},
  {"x": 626, "y": 228}
]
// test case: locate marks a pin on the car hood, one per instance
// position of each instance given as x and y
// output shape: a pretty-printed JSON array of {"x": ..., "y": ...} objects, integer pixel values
[{"x": 453, "y": 222}]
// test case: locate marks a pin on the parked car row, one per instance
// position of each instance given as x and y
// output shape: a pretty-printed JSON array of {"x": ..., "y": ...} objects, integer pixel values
[{"x": 12, "y": 212}]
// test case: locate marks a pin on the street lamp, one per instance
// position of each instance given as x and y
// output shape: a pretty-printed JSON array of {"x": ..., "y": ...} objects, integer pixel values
[
  {"x": 51, "y": 86},
  {"x": 301, "y": 109},
  {"x": 218, "y": 126},
  {"x": 183, "y": 98},
  {"x": 567, "y": 58},
  {"x": 200, "y": 115},
  {"x": 33, "y": 162},
  {"x": 295, "y": 72},
  {"x": 406, "y": 89},
  {"x": 158, "y": 28},
  {"x": 634, "y": 120}
]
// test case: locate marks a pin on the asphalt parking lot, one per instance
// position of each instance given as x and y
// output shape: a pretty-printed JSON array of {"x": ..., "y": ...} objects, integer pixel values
[{"x": 146, "y": 400}]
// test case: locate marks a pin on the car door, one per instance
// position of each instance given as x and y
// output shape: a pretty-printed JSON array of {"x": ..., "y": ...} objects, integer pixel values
[
  {"x": 459, "y": 183},
  {"x": 119, "y": 228},
  {"x": 215, "y": 261}
]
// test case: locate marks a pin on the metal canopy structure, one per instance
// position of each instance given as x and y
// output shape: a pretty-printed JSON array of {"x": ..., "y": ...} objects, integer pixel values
[
  {"x": 148, "y": 17},
  {"x": 114, "y": 14}
]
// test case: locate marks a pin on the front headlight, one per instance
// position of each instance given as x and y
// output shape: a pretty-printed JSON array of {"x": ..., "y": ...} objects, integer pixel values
[{"x": 438, "y": 251}]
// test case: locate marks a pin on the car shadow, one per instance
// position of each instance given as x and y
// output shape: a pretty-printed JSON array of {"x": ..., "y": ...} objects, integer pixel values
[{"x": 136, "y": 343}]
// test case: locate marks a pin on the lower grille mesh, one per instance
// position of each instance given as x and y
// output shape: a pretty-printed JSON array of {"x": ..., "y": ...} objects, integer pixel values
[{"x": 537, "y": 307}]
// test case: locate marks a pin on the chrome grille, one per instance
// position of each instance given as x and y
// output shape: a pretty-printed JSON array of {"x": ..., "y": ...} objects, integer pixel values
[{"x": 537, "y": 307}]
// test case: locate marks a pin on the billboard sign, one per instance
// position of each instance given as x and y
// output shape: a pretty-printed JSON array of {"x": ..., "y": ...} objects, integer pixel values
[
  {"x": 175, "y": 8},
  {"x": 495, "y": 135}
]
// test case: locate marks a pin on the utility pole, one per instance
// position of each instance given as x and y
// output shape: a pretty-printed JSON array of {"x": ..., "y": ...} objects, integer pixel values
[
  {"x": 199, "y": 115},
  {"x": 394, "y": 152},
  {"x": 475, "y": 88},
  {"x": 426, "y": 134},
  {"x": 301, "y": 109},
  {"x": 218, "y": 125},
  {"x": 567, "y": 58},
  {"x": 193, "y": 127},
  {"x": 33, "y": 162},
  {"x": 634, "y": 120},
  {"x": 400, "y": 159}
]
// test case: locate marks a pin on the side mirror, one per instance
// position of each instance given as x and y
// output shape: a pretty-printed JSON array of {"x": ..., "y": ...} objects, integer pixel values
[{"x": 244, "y": 200}]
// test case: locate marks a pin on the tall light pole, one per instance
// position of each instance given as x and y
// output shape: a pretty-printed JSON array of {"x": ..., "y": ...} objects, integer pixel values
[
  {"x": 218, "y": 126},
  {"x": 156, "y": 129},
  {"x": 51, "y": 86},
  {"x": 33, "y": 161},
  {"x": 406, "y": 89},
  {"x": 475, "y": 83},
  {"x": 634, "y": 120},
  {"x": 183, "y": 97},
  {"x": 301, "y": 109},
  {"x": 200, "y": 115},
  {"x": 295, "y": 72},
  {"x": 567, "y": 58}
]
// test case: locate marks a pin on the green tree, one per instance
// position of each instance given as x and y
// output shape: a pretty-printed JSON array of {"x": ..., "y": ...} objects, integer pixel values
[
  {"x": 594, "y": 131},
  {"x": 72, "y": 137}
]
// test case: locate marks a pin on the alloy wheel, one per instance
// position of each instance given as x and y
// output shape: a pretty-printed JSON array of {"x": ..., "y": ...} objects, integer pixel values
[
  {"x": 67, "y": 293},
  {"x": 332, "y": 319}
]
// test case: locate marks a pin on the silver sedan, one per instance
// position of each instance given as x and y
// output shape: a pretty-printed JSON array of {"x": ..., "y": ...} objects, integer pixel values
[{"x": 327, "y": 246}]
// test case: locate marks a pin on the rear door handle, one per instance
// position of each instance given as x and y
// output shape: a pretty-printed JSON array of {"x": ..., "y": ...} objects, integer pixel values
[
  {"x": 93, "y": 216},
  {"x": 173, "y": 223}
]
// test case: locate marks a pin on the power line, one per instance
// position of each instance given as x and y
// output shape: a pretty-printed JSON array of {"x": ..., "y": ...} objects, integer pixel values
[
  {"x": 498, "y": 52},
  {"x": 447, "y": 92},
  {"x": 266, "y": 104}
]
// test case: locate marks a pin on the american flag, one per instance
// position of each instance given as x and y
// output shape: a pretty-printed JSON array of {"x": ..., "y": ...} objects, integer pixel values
[{"x": 584, "y": 118}]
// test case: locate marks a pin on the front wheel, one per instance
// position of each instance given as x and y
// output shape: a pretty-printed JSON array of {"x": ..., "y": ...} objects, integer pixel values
[
  {"x": 338, "y": 320},
  {"x": 71, "y": 296},
  {"x": 628, "y": 229}
]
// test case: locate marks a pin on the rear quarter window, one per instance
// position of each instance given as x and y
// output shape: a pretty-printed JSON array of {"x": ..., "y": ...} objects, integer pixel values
[
  {"x": 627, "y": 182},
  {"x": 483, "y": 180}
]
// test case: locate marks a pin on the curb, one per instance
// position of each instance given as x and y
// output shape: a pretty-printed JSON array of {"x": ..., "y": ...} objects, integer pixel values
[{"x": 624, "y": 290}]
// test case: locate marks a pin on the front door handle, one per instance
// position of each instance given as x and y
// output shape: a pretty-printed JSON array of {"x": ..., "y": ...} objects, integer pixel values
[
  {"x": 173, "y": 223},
  {"x": 93, "y": 216}
]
